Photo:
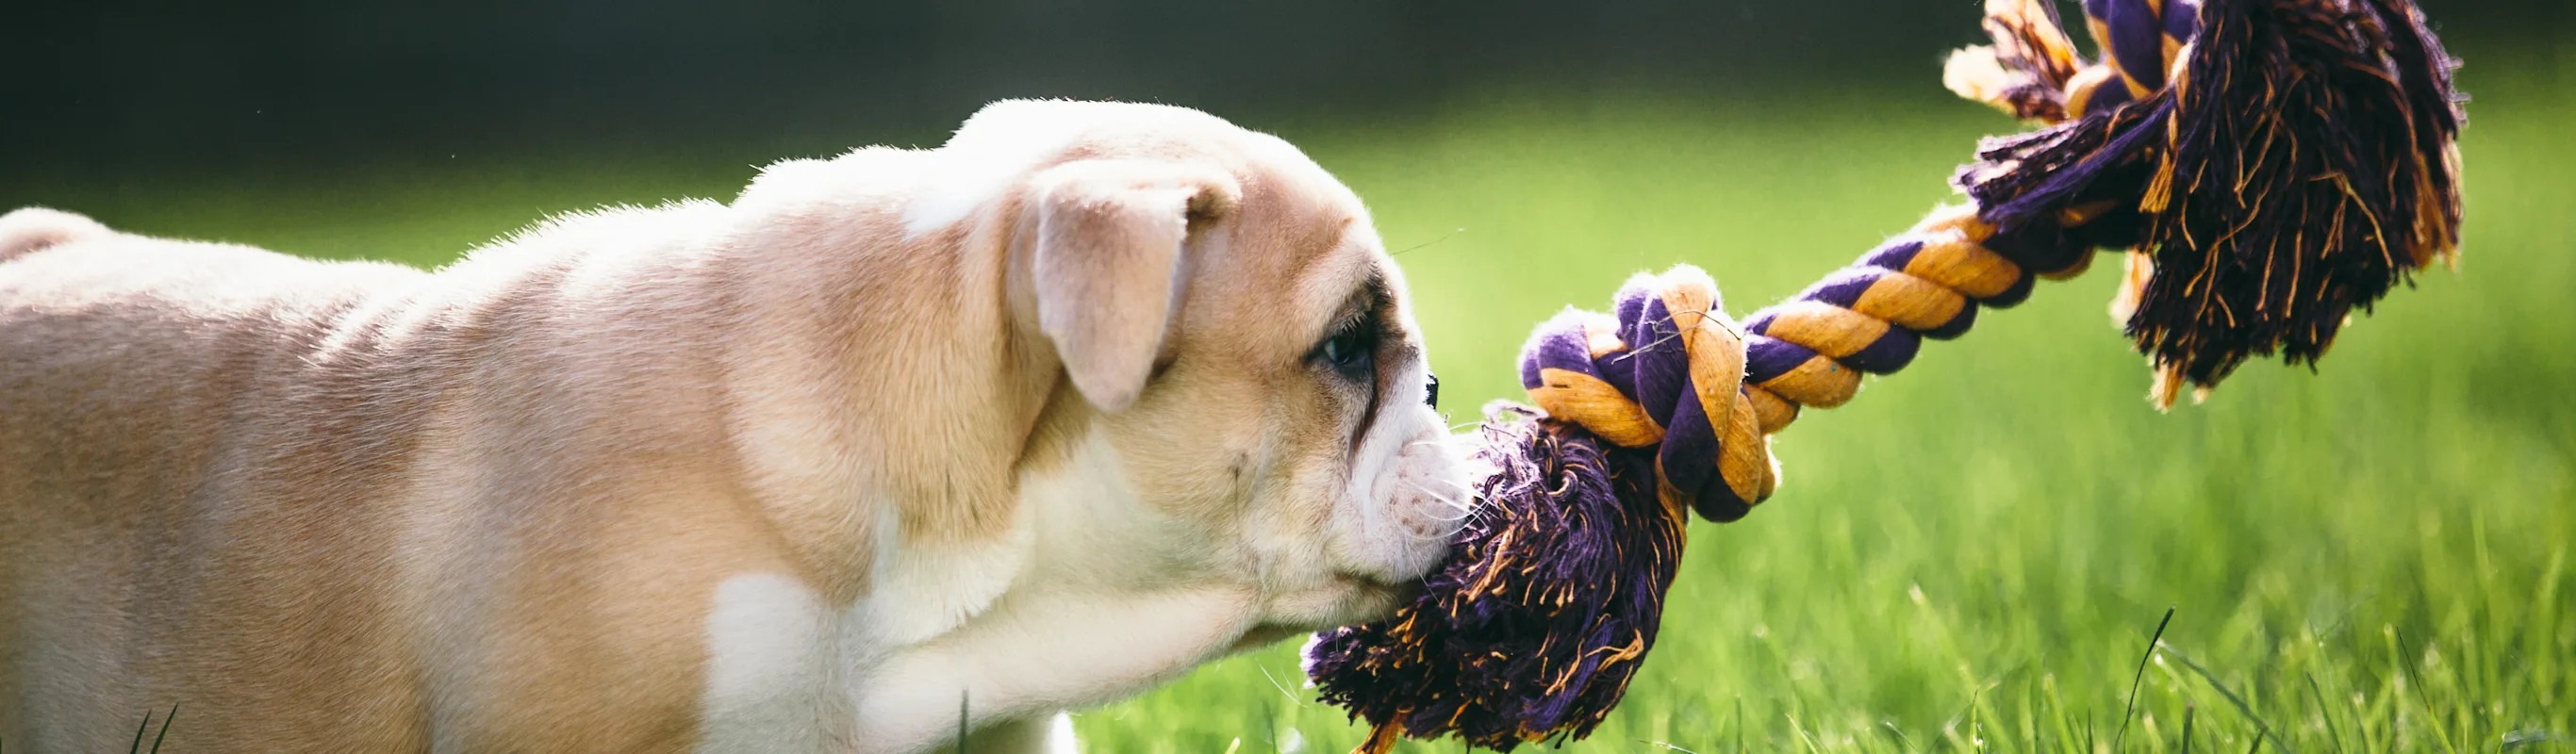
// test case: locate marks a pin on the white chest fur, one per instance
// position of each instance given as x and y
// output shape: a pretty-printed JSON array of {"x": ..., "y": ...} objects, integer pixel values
[{"x": 1052, "y": 616}]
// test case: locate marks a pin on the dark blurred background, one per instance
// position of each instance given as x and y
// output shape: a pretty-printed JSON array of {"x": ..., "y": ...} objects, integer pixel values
[{"x": 117, "y": 85}]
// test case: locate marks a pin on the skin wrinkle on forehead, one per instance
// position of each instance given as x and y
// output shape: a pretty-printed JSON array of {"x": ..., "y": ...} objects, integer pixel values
[
  {"x": 1372, "y": 304},
  {"x": 1264, "y": 280},
  {"x": 1326, "y": 282}
]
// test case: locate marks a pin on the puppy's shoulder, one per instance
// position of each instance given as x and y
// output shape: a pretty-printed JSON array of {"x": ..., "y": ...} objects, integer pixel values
[{"x": 865, "y": 176}]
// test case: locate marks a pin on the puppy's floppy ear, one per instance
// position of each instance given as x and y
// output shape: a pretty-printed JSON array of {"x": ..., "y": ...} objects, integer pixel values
[{"x": 1107, "y": 263}]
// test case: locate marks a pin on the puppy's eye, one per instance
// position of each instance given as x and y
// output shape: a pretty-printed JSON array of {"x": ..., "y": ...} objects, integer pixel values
[{"x": 1352, "y": 352}]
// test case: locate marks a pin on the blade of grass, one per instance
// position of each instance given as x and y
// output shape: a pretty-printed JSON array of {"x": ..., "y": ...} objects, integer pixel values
[
  {"x": 1898, "y": 734},
  {"x": 2265, "y": 729},
  {"x": 137, "y": 746},
  {"x": 2188, "y": 709},
  {"x": 2141, "y": 677},
  {"x": 2334, "y": 732},
  {"x": 1804, "y": 739},
  {"x": 157, "y": 738},
  {"x": 1739, "y": 724},
  {"x": 2423, "y": 697},
  {"x": 1269, "y": 723}
]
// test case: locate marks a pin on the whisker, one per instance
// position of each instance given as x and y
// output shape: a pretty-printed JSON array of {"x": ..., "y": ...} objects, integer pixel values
[
  {"x": 1432, "y": 242},
  {"x": 1452, "y": 485},
  {"x": 1446, "y": 500},
  {"x": 1458, "y": 505}
]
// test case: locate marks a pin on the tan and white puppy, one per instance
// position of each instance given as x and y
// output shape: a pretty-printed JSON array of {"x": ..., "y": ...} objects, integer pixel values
[{"x": 1090, "y": 395}]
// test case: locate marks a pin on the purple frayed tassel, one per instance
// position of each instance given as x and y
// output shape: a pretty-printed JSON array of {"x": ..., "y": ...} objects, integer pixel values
[
  {"x": 2282, "y": 164},
  {"x": 1536, "y": 624}
]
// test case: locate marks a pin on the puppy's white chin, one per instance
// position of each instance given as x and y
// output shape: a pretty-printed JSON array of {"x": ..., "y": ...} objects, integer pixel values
[{"x": 1342, "y": 601}]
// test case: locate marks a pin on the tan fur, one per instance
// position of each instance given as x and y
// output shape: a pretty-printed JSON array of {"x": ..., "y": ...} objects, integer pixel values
[{"x": 361, "y": 507}]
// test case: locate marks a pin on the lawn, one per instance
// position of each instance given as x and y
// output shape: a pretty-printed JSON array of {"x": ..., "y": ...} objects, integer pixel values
[{"x": 1974, "y": 553}]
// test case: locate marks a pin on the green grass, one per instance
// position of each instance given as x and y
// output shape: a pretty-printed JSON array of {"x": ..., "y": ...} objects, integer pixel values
[{"x": 1975, "y": 553}]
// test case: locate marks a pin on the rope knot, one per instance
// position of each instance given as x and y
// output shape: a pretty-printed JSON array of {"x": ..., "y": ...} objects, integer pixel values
[
  {"x": 1664, "y": 371},
  {"x": 1667, "y": 370}
]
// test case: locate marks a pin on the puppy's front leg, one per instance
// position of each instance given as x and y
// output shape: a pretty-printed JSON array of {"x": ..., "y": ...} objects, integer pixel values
[{"x": 1043, "y": 734}]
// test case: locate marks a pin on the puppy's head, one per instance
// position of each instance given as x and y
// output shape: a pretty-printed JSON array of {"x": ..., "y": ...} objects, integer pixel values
[{"x": 1235, "y": 341}]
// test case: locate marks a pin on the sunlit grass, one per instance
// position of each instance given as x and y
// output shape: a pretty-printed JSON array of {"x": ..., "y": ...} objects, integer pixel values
[{"x": 1975, "y": 553}]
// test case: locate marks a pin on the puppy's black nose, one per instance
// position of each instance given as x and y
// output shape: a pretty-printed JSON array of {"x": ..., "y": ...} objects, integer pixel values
[{"x": 1432, "y": 391}]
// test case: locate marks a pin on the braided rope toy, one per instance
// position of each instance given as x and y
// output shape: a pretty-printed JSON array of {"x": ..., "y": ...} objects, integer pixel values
[{"x": 2268, "y": 166}]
